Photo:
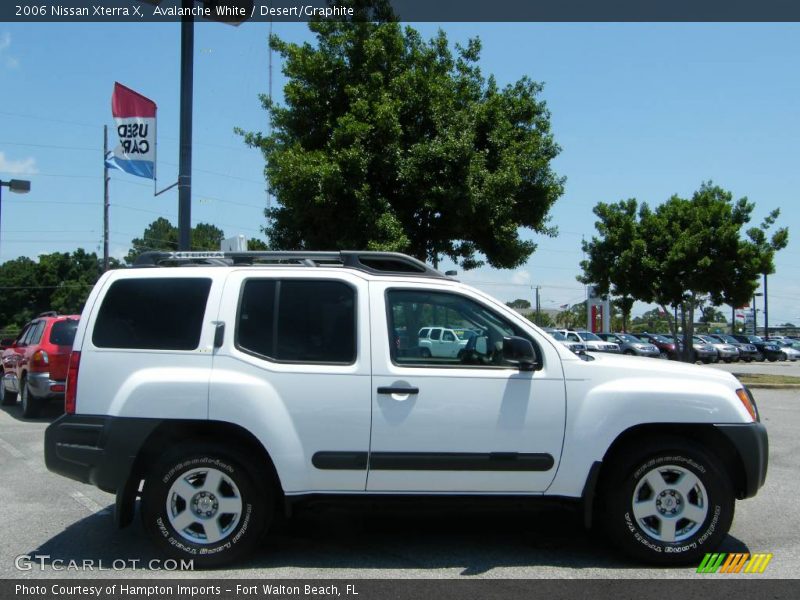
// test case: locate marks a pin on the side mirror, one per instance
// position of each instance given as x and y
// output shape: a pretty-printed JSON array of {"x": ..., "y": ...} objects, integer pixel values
[
  {"x": 6, "y": 343},
  {"x": 519, "y": 351}
]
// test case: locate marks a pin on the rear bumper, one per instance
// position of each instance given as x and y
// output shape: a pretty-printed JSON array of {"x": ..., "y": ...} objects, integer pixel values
[
  {"x": 99, "y": 450},
  {"x": 752, "y": 446},
  {"x": 43, "y": 387}
]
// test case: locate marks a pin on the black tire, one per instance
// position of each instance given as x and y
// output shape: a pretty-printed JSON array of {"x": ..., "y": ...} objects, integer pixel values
[
  {"x": 7, "y": 398},
  {"x": 30, "y": 403},
  {"x": 666, "y": 457},
  {"x": 760, "y": 357},
  {"x": 425, "y": 353},
  {"x": 663, "y": 355},
  {"x": 629, "y": 352},
  {"x": 244, "y": 530}
]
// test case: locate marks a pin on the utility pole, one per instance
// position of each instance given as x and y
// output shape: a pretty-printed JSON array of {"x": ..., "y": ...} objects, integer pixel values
[
  {"x": 538, "y": 306},
  {"x": 766, "y": 310},
  {"x": 105, "y": 199},
  {"x": 185, "y": 161}
]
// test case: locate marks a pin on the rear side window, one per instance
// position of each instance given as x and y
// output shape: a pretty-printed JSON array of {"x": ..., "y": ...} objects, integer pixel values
[
  {"x": 298, "y": 321},
  {"x": 36, "y": 335},
  {"x": 153, "y": 314},
  {"x": 62, "y": 333}
]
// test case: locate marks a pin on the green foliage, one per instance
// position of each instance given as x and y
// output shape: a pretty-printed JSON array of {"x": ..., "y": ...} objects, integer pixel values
[
  {"x": 541, "y": 319},
  {"x": 575, "y": 317},
  {"x": 519, "y": 303},
  {"x": 711, "y": 314},
  {"x": 391, "y": 142},
  {"x": 58, "y": 281},
  {"x": 682, "y": 253},
  {"x": 162, "y": 235}
]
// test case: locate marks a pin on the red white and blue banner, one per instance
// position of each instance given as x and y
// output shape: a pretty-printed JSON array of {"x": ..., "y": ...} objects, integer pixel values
[{"x": 135, "y": 116}]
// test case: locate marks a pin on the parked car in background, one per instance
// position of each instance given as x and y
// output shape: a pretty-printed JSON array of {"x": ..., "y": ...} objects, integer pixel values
[
  {"x": 666, "y": 346},
  {"x": 768, "y": 350},
  {"x": 442, "y": 342},
  {"x": 747, "y": 351},
  {"x": 631, "y": 345},
  {"x": 703, "y": 351},
  {"x": 576, "y": 347},
  {"x": 592, "y": 341},
  {"x": 789, "y": 351},
  {"x": 34, "y": 367},
  {"x": 726, "y": 352}
]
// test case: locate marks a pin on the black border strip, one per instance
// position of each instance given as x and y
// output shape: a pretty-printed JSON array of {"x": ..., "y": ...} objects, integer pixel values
[{"x": 433, "y": 461}]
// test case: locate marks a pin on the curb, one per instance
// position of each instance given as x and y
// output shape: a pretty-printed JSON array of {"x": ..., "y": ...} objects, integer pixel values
[{"x": 773, "y": 386}]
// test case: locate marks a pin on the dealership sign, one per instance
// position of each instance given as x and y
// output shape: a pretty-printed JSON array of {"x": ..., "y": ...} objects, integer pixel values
[{"x": 135, "y": 116}]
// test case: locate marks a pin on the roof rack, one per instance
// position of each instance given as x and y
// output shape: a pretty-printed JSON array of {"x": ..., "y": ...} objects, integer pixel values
[{"x": 378, "y": 263}]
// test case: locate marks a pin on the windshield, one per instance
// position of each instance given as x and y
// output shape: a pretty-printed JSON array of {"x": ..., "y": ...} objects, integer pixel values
[
  {"x": 589, "y": 336},
  {"x": 558, "y": 335},
  {"x": 754, "y": 338}
]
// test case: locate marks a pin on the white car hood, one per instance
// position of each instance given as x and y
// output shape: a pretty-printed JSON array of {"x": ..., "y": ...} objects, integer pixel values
[{"x": 621, "y": 366}]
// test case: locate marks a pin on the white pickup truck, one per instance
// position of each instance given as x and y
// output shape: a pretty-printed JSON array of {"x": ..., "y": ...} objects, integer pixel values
[{"x": 253, "y": 381}]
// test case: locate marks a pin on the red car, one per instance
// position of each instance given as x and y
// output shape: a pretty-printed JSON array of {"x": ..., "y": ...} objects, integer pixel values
[{"x": 34, "y": 366}]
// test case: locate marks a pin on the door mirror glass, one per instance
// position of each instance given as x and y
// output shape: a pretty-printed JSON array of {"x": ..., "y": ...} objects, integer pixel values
[{"x": 519, "y": 351}]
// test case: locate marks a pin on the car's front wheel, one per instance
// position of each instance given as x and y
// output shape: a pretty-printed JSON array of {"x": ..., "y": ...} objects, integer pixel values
[
  {"x": 201, "y": 502},
  {"x": 668, "y": 502}
]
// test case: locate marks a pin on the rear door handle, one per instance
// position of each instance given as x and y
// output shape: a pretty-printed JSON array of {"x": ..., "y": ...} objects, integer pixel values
[{"x": 398, "y": 390}]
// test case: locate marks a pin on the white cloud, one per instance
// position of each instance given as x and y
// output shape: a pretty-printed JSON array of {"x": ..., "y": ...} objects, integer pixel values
[
  {"x": 521, "y": 278},
  {"x": 10, "y": 62},
  {"x": 26, "y": 166}
]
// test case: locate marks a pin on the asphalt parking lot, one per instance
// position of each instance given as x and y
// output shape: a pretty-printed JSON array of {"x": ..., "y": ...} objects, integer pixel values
[{"x": 45, "y": 515}]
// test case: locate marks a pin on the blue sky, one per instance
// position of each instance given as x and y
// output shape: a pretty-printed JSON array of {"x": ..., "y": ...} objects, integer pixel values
[{"x": 640, "y": 110}]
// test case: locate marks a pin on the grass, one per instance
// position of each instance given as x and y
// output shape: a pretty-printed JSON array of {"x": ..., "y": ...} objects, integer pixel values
[{"x": 747, "y": 378}]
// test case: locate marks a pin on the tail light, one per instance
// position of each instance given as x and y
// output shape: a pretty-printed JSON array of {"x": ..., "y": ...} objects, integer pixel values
[
  {"x": 40, "y": 361},
  {"x": 70, "y": 395}
]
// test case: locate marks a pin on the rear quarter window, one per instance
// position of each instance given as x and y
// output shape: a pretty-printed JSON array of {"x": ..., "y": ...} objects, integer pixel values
[
  {"x": 62, "y": 333},
  {"x": 153, "y": 314}
]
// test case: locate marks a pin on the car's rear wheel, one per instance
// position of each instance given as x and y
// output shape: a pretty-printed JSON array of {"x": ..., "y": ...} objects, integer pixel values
[
  {"x": 667, "y": 502},
  {"x": 7, "y": 398},
  {"x": 30, "y": 403},
  {"x": 202, "y": 502},
  {"x": 629, "y": 352},
  {"x": 425, "y": 353}
]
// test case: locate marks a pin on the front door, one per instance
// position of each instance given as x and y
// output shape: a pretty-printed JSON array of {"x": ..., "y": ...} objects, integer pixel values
[{"x": 466, "y": 423}]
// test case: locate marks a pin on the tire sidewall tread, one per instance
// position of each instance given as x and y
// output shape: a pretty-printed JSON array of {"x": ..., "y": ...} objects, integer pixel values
[
  {"x": 256, "y": 512},
  {"x": 618, "y": 491}
]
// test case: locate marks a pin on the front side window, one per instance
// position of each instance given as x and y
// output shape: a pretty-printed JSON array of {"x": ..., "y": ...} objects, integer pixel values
[
  {"x": 153, "y": 314},
  {"x": 480, "y": 346},
  {"x": 298, "y": 321}
]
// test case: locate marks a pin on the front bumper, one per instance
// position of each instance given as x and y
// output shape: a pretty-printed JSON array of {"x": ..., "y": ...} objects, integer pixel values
[
  {"x": 99, "y": 450},
  {"x": 752, "y": 445}
]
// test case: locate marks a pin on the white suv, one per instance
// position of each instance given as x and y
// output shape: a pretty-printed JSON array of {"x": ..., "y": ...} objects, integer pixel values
[
  {"x": 222, "y": 393},
  {"x": 443, "y": 342}
]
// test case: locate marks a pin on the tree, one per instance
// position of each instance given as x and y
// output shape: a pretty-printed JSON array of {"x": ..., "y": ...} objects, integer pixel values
[
  {"x": 519, "y": 303},
  {"x": 163, "y": 235},
  {"x": 59, "y": 281},
  {"x": 574, "y": 317},
  {"x": 542, "y": 319},
  {"x": 684, "y": 251},
  {"x": 711, "y": 314},
  {"x": 613, "y": 260},
  {"x": 404, "y": 145}
]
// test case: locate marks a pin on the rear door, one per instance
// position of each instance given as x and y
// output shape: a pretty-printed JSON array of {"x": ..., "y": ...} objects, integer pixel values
[{"x": 294, "y": 370}]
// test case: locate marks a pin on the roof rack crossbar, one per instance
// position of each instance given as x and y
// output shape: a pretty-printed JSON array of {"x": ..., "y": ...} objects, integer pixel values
[{"x": 374, "y": 262}]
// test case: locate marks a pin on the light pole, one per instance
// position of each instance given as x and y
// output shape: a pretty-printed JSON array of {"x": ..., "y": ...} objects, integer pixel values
[
  {"x": 18, "y": 186},
  {"x": 755, "y": 313}
]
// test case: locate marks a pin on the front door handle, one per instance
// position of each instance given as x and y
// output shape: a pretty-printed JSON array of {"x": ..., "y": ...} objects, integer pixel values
[{"x": 398, "y": 390}]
